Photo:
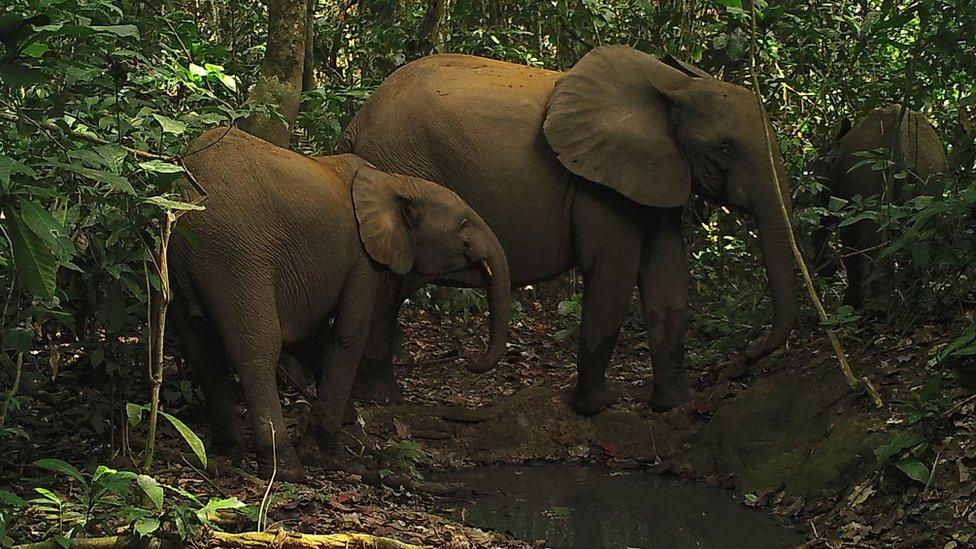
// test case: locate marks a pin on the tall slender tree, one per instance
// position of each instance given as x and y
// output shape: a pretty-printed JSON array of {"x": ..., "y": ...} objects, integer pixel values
[{"x": 280, "y": 83}]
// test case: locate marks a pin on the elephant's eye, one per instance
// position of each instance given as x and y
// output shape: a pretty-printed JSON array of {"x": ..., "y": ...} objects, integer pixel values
[
  {"x": 725, "y": 149},
  {"x": 464, "y": 223}
]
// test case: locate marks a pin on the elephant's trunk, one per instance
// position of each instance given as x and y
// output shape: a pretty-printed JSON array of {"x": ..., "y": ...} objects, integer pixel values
[
  {"x": 494, "y": 270},
  {"x": 779, "y": 263}
]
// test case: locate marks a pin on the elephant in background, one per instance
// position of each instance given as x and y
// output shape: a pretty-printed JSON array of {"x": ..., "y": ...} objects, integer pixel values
[
  {"x": 587, "y": 169},
  {"x": 286, "y": 244},
  {"x": 915, "y": 147}
]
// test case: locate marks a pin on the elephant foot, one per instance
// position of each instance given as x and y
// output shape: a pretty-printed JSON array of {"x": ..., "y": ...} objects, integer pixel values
[
  {"x": 319, "y": 450},
  {"x": 289, "y": 467},
  {"x": 593, "y": 399},
  {"x": 667, "y": 396},
  {"x": 380, "y": 387}
]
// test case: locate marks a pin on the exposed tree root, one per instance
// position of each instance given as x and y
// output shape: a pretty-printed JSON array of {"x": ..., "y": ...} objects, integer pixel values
[
  {"x": 248, "y": 540},
  {"x": 290, "y": 540}
]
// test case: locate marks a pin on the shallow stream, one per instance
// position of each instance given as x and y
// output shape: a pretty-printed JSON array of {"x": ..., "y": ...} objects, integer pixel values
[{"x": 593, "y": 507}]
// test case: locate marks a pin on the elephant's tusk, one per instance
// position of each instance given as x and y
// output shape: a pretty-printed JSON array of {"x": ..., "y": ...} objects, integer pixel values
[{"x": 485, "y": 267}]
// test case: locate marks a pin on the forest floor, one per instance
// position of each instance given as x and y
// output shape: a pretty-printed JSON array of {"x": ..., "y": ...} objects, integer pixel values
[{"x": 787, "y": 437}]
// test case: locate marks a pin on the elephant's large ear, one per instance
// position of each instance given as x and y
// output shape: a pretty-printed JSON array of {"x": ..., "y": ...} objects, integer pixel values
[
  {"x": 685, "y": 67},
  {"x": 842, "y": 128},
  {"x": 385, "y": 215},
  {"x": 608, "y": 121}
]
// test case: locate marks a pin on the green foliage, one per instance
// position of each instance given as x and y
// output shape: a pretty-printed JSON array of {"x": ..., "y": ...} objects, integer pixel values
[
  {"x": 135, "y": 411},
  {"x": 403, "y": 456},
  {"x": 571, "y": 312},
  {"x": 95, "y": 503},
  {"x": 907, "y": 445},
  {"x": 80, "y": 218}
]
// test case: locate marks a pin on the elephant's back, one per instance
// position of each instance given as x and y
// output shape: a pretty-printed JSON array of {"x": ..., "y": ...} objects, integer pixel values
[
  {"x": 251, "y": 182},
  {"x": 474, "y": 125},
  {"x": 272, "y": 216},
  {"x": 917, "y": 145}
]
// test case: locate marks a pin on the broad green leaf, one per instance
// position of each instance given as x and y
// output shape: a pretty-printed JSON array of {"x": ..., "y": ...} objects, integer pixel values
[
  {"x": 228, "y": 81},
  {"x": 59, "y": 466},
  {"x": 127, "y": 31},
  {"x": 33, "y": 259},
  {"x": 16, "y": 75},
  {"x": 9, "y": 167},
  {"x": 915, "y": 469},
  {"x": 731, "y": 3},
  {"x": 48, "y": 495},
  {"x": 134, "y": 412},
  {"x": 50, "y": 230},
  {"x": 168, "y": 204},
  {"x": 35, "y": 50},
  {"x": 197, "y": 70},
  {"x": 118, "y": 182},
  {"x": 214, "y": 505},
  {"x": 159, "y": 166},
  {"x": 11, "y": 498},
  {"x": 146, "y": 525},
  {"x": 20, "y": 339},
  {"x": 169, "y": 125},
  {"x": 899, "y": 442},
  {"x": 97, "y": 356},
  {"x": 152, "y": 489},
  {"x": 189, "y": 436}
]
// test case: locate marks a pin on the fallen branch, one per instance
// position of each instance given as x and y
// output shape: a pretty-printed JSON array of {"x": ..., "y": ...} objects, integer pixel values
[
  {"x": 291, "y": 540},
  {"x": 248, "y": 540},
  {"x": 109, "y": 542},
  {"x": 852, "y": 381}
]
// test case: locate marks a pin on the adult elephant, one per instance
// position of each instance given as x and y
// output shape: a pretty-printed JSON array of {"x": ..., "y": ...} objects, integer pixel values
[
  {"x": 916, "y": 149},
  {"x": 588, "y": 169}
]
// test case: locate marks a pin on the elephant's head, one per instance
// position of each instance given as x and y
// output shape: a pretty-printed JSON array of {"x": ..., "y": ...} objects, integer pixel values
[
  {"x": 415, "y": 226},
  {"x": 655, "y": 132},
  {"x": 821, "y": 167}
]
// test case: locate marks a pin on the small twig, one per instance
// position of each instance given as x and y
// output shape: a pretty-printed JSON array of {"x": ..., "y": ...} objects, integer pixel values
[
  {"x": 160, "y": 302},
  {"x": 935, "y": 464},
  {"x": 958, "y": 405},
  {"x": 265, "y": 501},
  {"x": 13, "y": 389},
  {"x": 845, "y": 367}
]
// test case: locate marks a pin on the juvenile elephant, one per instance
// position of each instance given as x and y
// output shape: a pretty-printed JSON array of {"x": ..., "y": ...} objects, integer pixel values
[
  {"x": 916, "y": 149},
  {"x": 287, "y": 244},
  {"x": 588, "y": 169}
]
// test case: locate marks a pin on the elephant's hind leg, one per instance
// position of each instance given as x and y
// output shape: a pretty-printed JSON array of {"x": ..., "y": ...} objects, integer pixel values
[
  {"x": 663, "y": 283},
  {"x": 203, "y": 349},
  {"x": 252, "y": 341},
  {"x": 608, "y": 248}
]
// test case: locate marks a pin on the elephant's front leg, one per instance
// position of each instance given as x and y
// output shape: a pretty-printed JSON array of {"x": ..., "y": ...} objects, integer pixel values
[
  {"x": 609, "y": 251},
  {"x": 349, "y": 335},
  {"x": 375, "y": 380},
  {"x": 663, "y": 283}
]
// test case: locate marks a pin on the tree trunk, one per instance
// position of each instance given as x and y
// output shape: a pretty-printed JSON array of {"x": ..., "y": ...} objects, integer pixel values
[
  {"x": 429, "y": 34},
  {"x": 308, "y": 73},
  {"x": 280, "y": 83}
]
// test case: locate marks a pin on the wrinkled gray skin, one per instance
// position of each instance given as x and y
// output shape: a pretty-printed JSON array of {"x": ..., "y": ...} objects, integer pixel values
[
  {"x": 286, "y": 244},
  {"x": 917, "y": 150},
  {"x": 587, "y": 169}
]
